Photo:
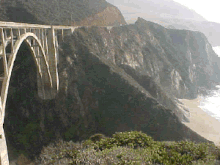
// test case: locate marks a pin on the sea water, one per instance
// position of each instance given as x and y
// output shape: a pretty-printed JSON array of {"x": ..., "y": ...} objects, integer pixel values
[
  {"x": 211, "y": 102},
  {"x": 217, "y": 50}
]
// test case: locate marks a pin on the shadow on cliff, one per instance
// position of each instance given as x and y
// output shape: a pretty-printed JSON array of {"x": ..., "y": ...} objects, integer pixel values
[{"x": 106, "y": 99}]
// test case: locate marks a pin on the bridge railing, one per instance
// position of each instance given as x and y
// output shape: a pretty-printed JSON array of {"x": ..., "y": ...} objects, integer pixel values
[{"x": 36, "y": 26}]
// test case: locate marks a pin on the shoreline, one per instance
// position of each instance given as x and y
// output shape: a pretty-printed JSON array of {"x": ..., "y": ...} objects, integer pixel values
[{"x": 200, "y": 122}]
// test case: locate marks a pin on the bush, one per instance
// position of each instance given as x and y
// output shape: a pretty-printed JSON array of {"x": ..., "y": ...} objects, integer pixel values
[
  {"x": 59, "y": 152},
  {"x": 97, "y": 137},
  {"x": 130, "y": 148},
  {"x": 114, "y": 155},
  {"x": 183, "y": 152},
  {"x": 133, "y": 139}
]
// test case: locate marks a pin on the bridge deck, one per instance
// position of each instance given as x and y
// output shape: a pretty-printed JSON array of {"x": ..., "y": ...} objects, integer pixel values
[{"x": 26, "y": 25}]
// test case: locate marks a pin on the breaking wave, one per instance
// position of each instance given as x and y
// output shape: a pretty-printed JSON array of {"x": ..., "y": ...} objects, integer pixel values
[{"x": 211, "y": 103}]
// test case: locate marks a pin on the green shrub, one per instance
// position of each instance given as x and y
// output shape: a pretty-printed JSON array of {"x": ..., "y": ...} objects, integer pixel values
[
  {"x": 97, "y": 137},
  {"x": 59, "y": 152},
  {"x": 107, "y": 143},
  {"x": 131, "y": 148},
  {"x": 115, "y": 155},
  {"x": 88, "y": 143},
  {"x": 215, "y": 151},
  {"x": 182, "y": 153},
  {"x": 133, "y": 139}
]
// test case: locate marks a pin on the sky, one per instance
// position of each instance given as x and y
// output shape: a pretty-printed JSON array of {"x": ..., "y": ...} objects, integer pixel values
[{"x": 209, "y": 9}]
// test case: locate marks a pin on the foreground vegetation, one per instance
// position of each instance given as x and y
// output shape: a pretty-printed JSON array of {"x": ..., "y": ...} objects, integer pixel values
[{"x": 129, "y": 148}]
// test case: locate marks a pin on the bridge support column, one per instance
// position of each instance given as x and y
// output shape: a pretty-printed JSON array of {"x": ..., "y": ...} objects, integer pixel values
[{"x": 53, "y": 55}]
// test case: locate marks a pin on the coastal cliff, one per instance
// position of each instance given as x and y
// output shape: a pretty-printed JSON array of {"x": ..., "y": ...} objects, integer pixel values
[
  {"x": 120, "y": 78},
  {"x": 112, "y": 79}
]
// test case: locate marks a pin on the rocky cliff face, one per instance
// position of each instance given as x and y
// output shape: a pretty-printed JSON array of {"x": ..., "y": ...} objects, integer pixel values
[
  {"x": 179, "y": 61},
  {"x": 118, "y": 79}
]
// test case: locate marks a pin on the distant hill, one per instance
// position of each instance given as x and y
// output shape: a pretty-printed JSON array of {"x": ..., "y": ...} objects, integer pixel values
[
  {"x": 65, "y": 12},
  {"x": 210, "y": 29},
  {"x": 170, "y": 14},
  {"x": 149, "y": 9}
]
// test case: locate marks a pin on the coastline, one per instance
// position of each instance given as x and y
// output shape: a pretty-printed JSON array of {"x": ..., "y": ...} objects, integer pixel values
[{"x": 200, "y": 122}]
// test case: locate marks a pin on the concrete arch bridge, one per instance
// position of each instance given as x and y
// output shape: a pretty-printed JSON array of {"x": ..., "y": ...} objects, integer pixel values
[{"x": 43, "y": 42}]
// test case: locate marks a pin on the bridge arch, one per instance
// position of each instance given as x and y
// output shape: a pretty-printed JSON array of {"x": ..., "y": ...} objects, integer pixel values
[
  {"x": 43, "y": 73},
  {"x": 43, "y": 41}
]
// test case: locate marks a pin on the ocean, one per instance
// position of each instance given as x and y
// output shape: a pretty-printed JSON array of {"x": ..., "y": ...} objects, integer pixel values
[
  {"x": 211, "y": 103},
  {"x": 217, "y": 50}
]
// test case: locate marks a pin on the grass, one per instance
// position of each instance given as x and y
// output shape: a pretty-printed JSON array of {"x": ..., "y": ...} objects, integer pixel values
[{"x": 132, "y": 148}]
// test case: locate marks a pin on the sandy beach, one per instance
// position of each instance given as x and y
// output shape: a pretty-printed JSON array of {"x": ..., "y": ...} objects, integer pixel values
[{"x": 201, "y": 122}]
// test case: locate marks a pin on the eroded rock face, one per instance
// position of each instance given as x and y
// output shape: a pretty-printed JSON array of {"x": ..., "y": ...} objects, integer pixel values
[
  {"x": 179, "y": 61},
  {"x": 118, "y": 79}
]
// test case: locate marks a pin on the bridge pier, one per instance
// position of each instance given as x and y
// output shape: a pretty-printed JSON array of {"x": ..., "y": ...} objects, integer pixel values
[{"x": 52, "y": 60}]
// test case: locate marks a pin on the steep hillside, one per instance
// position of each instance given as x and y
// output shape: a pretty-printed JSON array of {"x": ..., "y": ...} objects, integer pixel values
[
  {"x": 119, "y": 79},
  {"x": 65, "y": 12},
  {"x": 110, "y": 16}
]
